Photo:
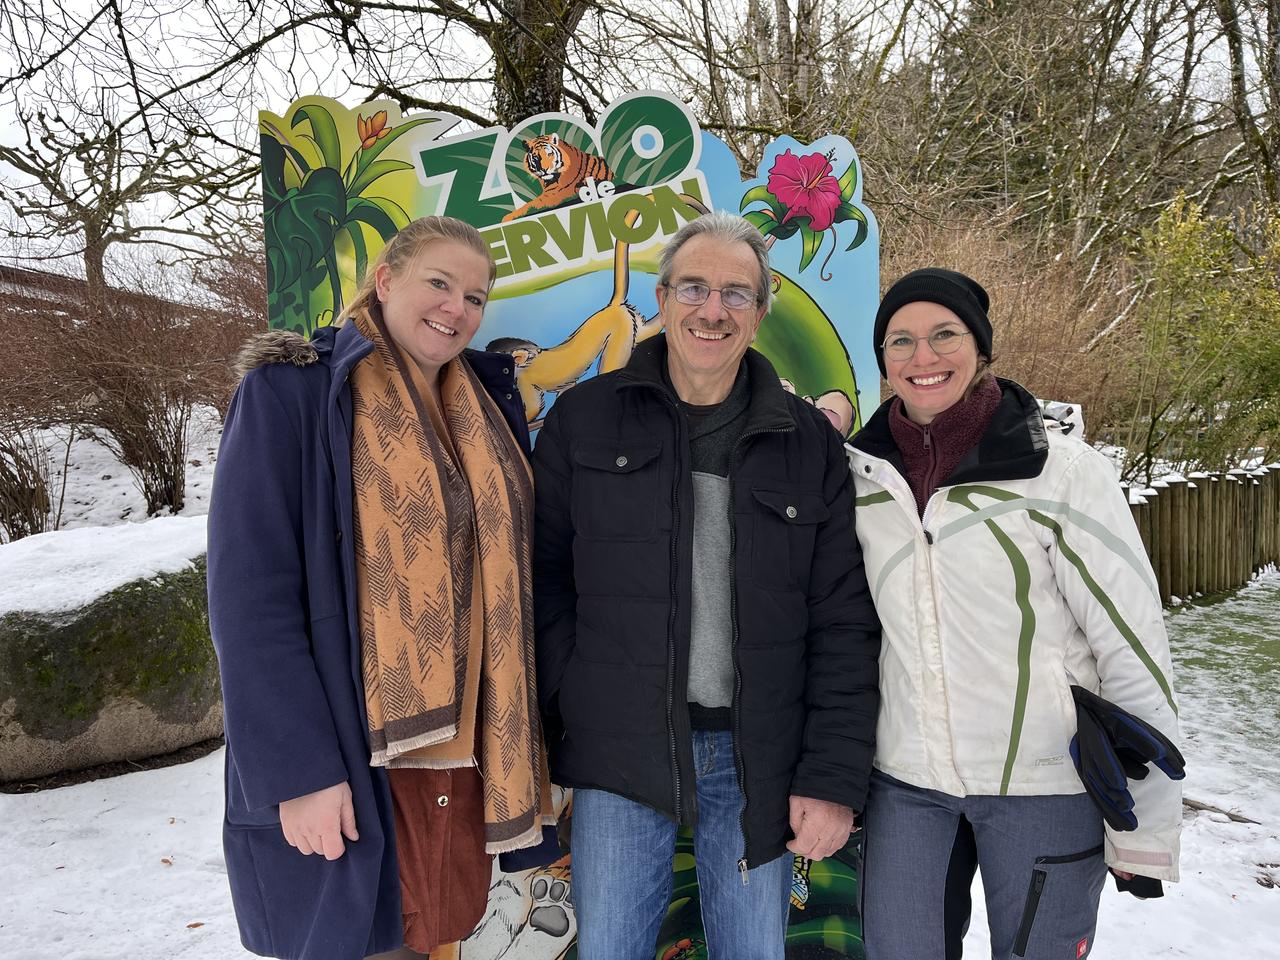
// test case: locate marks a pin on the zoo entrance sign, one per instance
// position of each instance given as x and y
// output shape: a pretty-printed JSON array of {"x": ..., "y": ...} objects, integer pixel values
[{"x": 575, "y": 215}]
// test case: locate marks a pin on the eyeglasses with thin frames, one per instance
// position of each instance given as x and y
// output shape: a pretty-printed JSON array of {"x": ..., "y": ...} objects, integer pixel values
[
  {"x": 902, "y": 346},
  {"x": 694, "y": 294}
]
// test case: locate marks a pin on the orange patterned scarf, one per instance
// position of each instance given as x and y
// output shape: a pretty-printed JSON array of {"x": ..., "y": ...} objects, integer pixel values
[{"x": 443, "y": 529}]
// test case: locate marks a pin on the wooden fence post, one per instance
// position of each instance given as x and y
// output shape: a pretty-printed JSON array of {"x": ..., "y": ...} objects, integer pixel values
[
  {"x": 1206, "y": 533},
  {"x": 1268, "y": 475},
  {"x": 1206, "y": 496},
  {"x": 1193, "y": 587},
  {"x": 1256, "y": 521},
  {"x": 1266, "y": 479},
  {"x": 1221, "y": 508},
  {"x": 1141, "y": 507},
  {"x": 1177, "y": 494},
  {"x": 1162, "y": 557},
  {"x": 1239, "y": 548},
  {"x": 1273, "y": 514}
]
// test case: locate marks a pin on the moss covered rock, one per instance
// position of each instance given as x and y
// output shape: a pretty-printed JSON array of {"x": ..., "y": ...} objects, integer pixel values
[{"x": 130, "y": 675}]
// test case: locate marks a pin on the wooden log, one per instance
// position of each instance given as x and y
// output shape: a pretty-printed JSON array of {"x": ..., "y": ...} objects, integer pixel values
[
  {"x": 1264, "y": 496},
  {"x": 1272, "y": 517},
  {"x": 1210, "y": 808},
  {"x": 1257, "y": 521},
  {"x": 1273, "y": 511},
  {"x": 1162, "y": 559},
  {"x": 1194, "y": 589},
  {"x": 1222, "y": 562},
  {"x": 1177, "y": 494},
  {"x": 1220, "y": 509},
  {"x": 1206, "y": 488},
  {"x": 1270, "y": 514},
  {"x": 1248, "y": 492},
  {"x": 1269, "y": 531},
  {"x": 1135, "y": 505},
  {"x": 1240, "y": 546},
  {"x": 1142, "y": 514}
]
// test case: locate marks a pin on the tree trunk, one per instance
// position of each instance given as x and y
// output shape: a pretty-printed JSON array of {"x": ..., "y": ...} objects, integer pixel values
[
  {"x": 529, "y": 57},
  {"x": 1259, "y": 145},
  {"x": 95, "y": 253}
]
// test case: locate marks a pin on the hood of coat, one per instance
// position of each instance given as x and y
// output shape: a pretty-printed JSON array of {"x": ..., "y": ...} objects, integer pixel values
[
  {"x": 274, "y": 346},
  {"x": 341, "y": 347},
  {"x": 1013, "y": 447}
]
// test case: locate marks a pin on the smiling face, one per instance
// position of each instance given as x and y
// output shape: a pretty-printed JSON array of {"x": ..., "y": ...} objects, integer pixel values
[
  {"x": 929, "y": 383},
  {"x": 706, "y": 342},
  {"x": 433, "y": 306}
]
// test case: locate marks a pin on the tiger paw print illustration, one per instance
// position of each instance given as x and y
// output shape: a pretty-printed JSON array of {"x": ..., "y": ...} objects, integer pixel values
[{"x": 549, "y": 912}]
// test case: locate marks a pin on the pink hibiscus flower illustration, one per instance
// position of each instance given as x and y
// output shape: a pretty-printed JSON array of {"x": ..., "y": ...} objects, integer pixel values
[{"x": 806, "y": 187}]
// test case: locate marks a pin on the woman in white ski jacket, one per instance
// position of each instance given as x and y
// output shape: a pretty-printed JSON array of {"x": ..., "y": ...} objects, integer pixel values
[{"x": 1005, "y": 567}]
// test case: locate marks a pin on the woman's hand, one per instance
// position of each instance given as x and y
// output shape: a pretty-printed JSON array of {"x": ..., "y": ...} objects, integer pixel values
[
  {"x": 1122, "y": 874},
  {"x": 317, "y": 822}
]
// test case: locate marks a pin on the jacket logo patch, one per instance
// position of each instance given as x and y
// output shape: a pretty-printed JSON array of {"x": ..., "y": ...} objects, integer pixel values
[{"x": 1082, "y": 948}]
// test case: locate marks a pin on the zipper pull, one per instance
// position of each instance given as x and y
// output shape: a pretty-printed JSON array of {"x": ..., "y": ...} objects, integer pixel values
[
  {"x": 928, "y": 442},
  {"x": 742, "y": 869}
]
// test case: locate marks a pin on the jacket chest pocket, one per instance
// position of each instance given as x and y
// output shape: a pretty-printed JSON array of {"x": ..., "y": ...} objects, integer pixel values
[
  {"x": 784, "y": 530},
  {"x": 615, "y": 495}
]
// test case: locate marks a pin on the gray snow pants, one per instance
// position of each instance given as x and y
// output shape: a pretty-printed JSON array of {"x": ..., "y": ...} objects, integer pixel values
[{"x": 1040, "y": 858}]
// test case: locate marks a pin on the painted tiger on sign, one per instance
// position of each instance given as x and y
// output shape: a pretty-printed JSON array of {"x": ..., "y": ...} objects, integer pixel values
[{"x": 563, "y": 170}]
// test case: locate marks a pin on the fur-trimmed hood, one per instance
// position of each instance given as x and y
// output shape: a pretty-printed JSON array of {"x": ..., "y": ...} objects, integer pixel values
[
  {"x": 274, "y": 346},
  {"x": 340, "y": 348}
]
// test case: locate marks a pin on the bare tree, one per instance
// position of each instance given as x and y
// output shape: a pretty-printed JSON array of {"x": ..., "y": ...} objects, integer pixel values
[
  {"x": 1252, "y": 33},
  {"x": 85, "y": 184}
]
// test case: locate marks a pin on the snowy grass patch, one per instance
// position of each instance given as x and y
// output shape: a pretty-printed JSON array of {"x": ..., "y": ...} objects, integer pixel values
[
  {"x": 100, "y": 490},
  {"x": 68, "y": 569}
]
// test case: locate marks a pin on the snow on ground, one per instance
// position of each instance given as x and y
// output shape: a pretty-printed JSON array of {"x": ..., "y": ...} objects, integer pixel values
[
  {"x": 131, "y": 868},
  {"x": 128, "y": 868},
  {"x": 67, "y": 569},
  {"x": 100, "y": 490}
]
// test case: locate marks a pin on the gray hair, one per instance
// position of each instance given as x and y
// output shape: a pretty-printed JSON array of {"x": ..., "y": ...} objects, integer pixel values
[{"x": 727, "y": 228}]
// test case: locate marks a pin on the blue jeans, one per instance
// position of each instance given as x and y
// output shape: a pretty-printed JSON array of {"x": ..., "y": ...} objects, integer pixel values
[
  {"x": 1040, "y": 858},
  {"x": 622, "y": 870}
]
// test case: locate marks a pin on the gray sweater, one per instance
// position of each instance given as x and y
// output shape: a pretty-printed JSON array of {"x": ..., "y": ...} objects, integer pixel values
[{"x": 713, "y": 433}]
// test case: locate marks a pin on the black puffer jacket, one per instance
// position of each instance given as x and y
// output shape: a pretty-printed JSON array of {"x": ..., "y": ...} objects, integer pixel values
[{"x": 612, "y": 590}]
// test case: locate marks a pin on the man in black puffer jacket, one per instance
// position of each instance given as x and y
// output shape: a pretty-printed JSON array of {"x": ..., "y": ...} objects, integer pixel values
[{"x": 707, "y": 646}]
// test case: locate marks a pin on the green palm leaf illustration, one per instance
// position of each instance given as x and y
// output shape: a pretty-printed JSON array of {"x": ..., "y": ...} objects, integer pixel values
[{"x": 324, "y": 132}]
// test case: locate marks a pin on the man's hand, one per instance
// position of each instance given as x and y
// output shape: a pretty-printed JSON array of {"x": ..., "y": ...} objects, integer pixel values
[
  {"x": 317, "y": 822},
  {"x": 821, "y": 827}
]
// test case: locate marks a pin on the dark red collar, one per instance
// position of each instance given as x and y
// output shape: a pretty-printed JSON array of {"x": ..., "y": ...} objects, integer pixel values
[{"x": 930, "y": 453}]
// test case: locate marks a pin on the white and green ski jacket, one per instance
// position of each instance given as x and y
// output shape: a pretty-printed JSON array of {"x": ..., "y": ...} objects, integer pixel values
[{"x": 1025, "y": 575}]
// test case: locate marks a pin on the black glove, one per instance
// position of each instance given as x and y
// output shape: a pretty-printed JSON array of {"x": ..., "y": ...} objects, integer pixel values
[
  {"x": 1112, "y": 747},
  {"x": 1144, "y": 888}
]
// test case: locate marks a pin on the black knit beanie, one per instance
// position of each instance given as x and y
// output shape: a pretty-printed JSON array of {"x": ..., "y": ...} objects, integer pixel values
[{"x": 961, "y": 295}]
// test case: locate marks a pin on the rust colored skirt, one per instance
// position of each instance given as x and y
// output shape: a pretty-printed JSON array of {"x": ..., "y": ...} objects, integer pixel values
[{"x": 444, "y": 871}]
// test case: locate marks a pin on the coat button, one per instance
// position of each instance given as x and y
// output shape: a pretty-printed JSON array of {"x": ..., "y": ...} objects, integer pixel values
[
  {"x": 866, "y": 468},
  {"x": 791, "y": 512},
  {"x": 506, "y": 369},
  {"x": 508, "y": 396},
  {"x": 442, "y": 800},
  {"x": 621, "y": 461}
]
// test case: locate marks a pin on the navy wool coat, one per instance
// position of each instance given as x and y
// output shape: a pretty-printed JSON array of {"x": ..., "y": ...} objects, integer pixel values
[{"x": 282, "y": 609}]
